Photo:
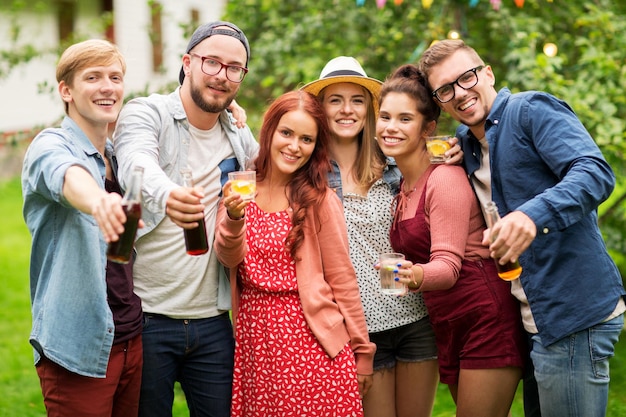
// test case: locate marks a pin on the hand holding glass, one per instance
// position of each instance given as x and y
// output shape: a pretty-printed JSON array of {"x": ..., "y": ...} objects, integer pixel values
[
  {"x": 388, "y": 273},
  {"x": 243, "y": 183},
  {"x": 437, "y": 146}
]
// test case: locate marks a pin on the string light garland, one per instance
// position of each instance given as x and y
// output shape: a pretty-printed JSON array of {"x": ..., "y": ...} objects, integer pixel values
[
  {"x": 550, "y": 49},
  {"x": 495, "y": 4}
]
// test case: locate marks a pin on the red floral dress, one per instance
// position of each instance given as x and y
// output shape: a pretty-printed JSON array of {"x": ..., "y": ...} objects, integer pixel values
[{"x": 280, "y": 367}]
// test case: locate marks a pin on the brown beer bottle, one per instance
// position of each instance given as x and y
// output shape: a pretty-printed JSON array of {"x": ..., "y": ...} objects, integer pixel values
[
  {"x": 196, "y": 241},
  {"x": 511, "y": 270},
  {"x": 121, "y": 250}
]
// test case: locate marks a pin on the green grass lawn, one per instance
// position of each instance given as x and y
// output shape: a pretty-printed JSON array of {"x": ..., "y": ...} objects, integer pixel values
[{"x": 19, "y": 385}]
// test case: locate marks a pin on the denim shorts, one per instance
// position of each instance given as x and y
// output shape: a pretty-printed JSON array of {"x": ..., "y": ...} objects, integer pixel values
[{"x": 414, "y": 342}]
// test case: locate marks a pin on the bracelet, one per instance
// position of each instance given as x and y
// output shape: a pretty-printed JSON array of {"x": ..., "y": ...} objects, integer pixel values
[{"x": 238, "y": 218}]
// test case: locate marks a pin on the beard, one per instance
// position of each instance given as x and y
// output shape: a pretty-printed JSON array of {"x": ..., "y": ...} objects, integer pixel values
[
  {"x": 215, "y": 106},
  {"x": 474, "y": 120}
]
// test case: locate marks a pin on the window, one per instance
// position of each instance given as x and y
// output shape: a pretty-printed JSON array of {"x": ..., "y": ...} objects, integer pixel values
[
  {"x": 66, "y": 14},
  {"x": 156, "y": 36}
]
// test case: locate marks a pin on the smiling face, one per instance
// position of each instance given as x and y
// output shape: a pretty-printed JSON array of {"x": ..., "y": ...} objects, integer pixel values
[
  {"x": 95, "y": 96},
  {"x": 401, "y": 128},
  {"x": 345, "y": 105},
  {"x": 293, "y": 142},
  {"x": 470, "y": 107},
  {"x": 213, "y": 93}
]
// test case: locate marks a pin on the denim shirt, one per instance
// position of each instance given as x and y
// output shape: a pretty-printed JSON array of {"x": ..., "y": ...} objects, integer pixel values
[
  {"x": 545, "y": 164},
  {"x": 153, "y": 132},
  {"x": 72, "y": 322},
  {"x": 391, "y": 175}
]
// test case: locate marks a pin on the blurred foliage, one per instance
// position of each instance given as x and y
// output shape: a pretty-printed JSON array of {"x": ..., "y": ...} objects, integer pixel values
[
  {"x": 20, "y": 46},
  {"x": 293, "y": 39}
]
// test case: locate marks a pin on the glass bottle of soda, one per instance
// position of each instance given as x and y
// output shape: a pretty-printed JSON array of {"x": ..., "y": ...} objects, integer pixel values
[
  {"x": 511, "y": 270},
  {"x": 196, "y": 242},
  {"x": 121, "y": 250}
]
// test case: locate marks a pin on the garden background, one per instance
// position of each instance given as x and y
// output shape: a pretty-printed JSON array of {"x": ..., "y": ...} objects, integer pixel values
[{"x": 292, "y": 40}]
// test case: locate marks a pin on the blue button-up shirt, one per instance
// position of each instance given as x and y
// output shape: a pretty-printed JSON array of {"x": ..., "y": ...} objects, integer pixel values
[
  {"x": 72, "y": 322},
  {"x": 545, "y": 164}
]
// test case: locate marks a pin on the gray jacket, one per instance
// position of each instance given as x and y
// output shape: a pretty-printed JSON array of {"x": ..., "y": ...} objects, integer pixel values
[{"x": 153, "y": 132}]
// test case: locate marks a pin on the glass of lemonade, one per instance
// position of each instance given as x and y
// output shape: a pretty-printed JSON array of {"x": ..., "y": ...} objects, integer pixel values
[
  {"x": 388, "y": 266},
  {"x": 437, "y": 146},
  {"x": 243, "y": 183}
]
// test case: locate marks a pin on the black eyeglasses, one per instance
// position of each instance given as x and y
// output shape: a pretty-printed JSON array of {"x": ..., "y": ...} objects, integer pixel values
[
  {"x": 466, "y": 81},
  {"x": 211, "y": 66}
]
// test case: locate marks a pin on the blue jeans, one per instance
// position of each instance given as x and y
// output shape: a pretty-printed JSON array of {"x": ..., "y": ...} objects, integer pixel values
[
  {"x": 572, "y": 375},
  {"x": 198, "y": 353}
]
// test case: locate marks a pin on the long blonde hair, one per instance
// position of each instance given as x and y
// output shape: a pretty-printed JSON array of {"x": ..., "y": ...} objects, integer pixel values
[{"x": 370, "y": 160}]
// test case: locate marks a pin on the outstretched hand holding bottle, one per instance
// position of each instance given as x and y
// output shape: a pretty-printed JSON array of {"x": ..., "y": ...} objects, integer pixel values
[
  {"x": 121, "y": 250},
  {"x": 184, "y": 207}
]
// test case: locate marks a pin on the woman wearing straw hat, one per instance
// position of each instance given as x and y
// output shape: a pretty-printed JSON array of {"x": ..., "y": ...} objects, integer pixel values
[{"x": 405, "y": 365}]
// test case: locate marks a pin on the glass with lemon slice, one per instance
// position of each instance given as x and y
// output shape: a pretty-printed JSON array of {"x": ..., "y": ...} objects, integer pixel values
[
  {"x": 437, "y": 146},
  {"x": 243, "y": 183}
]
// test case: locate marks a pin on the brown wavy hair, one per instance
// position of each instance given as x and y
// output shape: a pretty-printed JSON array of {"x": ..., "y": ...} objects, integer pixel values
[{"x": 309, "y": 184}]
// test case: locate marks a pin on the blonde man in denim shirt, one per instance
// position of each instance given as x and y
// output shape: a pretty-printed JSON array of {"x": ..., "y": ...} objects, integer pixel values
[
  {"x": 86, "y": 325},
  {"x": 188, "y": 336},
  {"x": 530, "y": 154}
]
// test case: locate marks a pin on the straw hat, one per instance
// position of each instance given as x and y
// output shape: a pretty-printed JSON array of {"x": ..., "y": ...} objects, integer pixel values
[{"x": 345, "y": 69}]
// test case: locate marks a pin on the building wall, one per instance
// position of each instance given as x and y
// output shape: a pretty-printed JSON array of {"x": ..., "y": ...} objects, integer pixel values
[{"x": 29, "y": 95}]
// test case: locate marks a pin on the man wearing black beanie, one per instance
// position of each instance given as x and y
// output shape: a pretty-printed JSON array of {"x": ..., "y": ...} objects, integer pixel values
[{"x": 188, "y": 335}]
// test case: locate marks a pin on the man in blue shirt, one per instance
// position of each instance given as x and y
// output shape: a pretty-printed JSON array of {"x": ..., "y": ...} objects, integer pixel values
[
  {"x": 529, "y": 153},
  {"x": 87, "y": 321}
]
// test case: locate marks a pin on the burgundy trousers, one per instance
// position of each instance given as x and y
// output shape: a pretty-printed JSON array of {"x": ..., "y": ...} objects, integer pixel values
[{"x": 67, "y": 394}]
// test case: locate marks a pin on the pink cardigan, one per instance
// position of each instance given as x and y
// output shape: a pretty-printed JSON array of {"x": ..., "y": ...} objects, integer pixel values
[{"x": 327, "y": 283}]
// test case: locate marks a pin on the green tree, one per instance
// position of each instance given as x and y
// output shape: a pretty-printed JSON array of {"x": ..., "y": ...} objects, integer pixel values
[{"x": 293, "y": 39}]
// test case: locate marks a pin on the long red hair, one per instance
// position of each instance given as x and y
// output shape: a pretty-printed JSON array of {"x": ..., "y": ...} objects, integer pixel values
[{"x": 308, "y": 185}]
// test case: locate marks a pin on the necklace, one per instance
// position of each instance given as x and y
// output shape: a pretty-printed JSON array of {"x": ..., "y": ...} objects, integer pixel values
[
  {"x": 407, "y": 191},
  {"x": 401, "y": 202}
]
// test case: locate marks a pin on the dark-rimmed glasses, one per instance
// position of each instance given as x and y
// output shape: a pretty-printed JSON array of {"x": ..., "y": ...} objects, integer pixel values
[
  {"x": 466, "y": 81},
  {"x": 211, "y": 66}
]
